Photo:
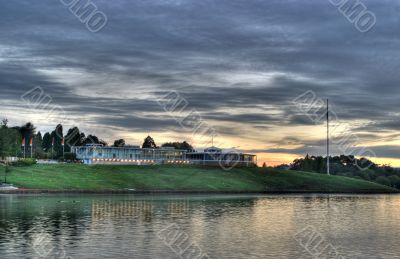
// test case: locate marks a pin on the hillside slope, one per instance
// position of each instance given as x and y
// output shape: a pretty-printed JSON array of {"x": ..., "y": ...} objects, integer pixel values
[{"x": 183, "y": 178}]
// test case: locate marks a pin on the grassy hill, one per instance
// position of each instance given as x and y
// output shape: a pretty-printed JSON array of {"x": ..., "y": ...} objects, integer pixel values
[{"x": 183, "y": 178}]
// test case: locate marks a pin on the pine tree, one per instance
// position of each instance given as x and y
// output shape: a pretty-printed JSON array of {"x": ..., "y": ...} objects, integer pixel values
[
  {"x": 57, "y": 136},
  {"x": 46, "y": 143},
  {"x": 37, "y": 144}
]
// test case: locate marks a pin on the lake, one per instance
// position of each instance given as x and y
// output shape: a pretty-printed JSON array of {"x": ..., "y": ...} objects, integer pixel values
[{"x": 199, "y": 226}]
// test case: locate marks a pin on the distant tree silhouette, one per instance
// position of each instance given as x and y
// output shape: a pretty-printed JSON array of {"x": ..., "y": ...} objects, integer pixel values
[
  {"x": 119, "y": 143},
  {"x": 74, "y": 138},
  {"x": 37, "y": 145},
  {"x": 56, "y": 138},
  {"x": 27, "y": 132},
  {"x": 179, "y": 145},
  {"x": 10, "y": 140},
  {"x": 46, "y": 143},
  {"x": 91, "y": 139},
  {"x": 264, "y": 164},
  {"x": 349, "y": 166},
  {"x": 149, "y": 143}
]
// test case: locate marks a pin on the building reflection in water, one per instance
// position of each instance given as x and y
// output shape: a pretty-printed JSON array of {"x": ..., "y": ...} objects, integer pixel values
[
  {"x": 137, "y": 209},
  {"x": 114, "y": 209}
]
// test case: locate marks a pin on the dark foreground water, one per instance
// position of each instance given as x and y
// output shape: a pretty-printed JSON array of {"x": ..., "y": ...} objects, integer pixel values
[{"x": 206, "y": 226}]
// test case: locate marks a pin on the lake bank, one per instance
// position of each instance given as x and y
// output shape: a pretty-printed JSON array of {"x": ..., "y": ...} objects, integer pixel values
[{"x": 72, "y": 178}]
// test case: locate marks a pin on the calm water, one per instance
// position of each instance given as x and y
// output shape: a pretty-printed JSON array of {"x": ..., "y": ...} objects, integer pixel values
[{"x": 173, "y": 226}]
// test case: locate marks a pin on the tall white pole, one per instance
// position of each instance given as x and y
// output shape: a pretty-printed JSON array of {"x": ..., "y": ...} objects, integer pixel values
[{"x": 327, "y": 137}]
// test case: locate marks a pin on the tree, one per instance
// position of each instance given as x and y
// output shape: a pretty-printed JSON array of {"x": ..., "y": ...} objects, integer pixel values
[
  {"x": 46, "y": 143},
  {"x": 119, "y": 143},
  {"x": 179, "y": 145},
  {"x": 73, "y": 138},
  {"x": 4, "y": 122},
  {"x": 149, "y": 143},
  {"x": 10, "y": 141},
  {"x": 37, "y": 145},
  {"x": 91, "y": 139},
  {"x": 27, "y": 132},
  {"x": 264, "y": 165},
  {"x": 7, "y": 170},
  {"x": 56, "y": 137},
  {"x": 395, "y": 181},
  {"x": 103, "y": 142}
]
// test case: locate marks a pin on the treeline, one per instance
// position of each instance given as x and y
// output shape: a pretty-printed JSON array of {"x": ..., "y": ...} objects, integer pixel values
[
  {"x": 351, "y": 167},
  {"x": 26, "y": 141}
]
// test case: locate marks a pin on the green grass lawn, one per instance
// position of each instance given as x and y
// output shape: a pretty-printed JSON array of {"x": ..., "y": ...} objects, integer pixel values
[{"x": 182, "y": 178}]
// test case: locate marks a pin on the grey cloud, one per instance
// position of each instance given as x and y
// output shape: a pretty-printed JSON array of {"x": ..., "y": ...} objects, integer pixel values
[{"x": 196, "y": 48}]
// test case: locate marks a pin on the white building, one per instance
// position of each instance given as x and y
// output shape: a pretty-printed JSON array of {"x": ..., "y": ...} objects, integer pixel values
[{"x": 99, "y": 154}]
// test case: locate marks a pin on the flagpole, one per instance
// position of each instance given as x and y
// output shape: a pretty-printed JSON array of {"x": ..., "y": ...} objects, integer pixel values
[
  {"x": 62, "y": 143},
  {"x": 327, "y": 138}
]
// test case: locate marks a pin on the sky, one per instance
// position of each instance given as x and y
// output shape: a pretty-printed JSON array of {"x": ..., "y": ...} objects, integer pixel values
[{"x": 237, "y": 64}]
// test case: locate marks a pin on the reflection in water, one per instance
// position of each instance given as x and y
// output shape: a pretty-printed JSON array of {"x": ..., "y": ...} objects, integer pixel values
[
  {"x": 115, "y": 209},
  {"x": 222, "y": 226}
]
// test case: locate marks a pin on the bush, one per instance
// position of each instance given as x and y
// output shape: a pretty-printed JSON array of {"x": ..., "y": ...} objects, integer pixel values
[
  {"x": 25, "y": 162},
  {"x": 395, "y": 181},
  {"x": 70, "y": 156},
  {"x": 383, "y": 180}
]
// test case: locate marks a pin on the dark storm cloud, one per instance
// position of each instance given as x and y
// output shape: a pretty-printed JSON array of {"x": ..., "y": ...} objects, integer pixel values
[
  {"x": 222, "y": 56},
  {"x": 138, "y": 123}
]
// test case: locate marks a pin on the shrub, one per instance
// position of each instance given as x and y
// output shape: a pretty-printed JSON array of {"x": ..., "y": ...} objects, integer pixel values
[
  {"x": 70, "y": 156},
  {"x": 25, "y": 162},
  {"x": 394, "y": 180},
  {"x": 383, "y": 180}
]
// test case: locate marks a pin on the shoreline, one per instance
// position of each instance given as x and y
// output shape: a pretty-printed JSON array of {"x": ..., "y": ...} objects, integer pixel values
[{"x": 55, "y": 191}]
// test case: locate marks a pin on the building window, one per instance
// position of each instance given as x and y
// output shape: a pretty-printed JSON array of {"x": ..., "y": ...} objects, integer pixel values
[{"x": 114, "y": 155}]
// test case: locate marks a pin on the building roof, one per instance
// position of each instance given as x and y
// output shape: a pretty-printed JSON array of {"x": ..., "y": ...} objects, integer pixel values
[{"x": 213, "y": 150}]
